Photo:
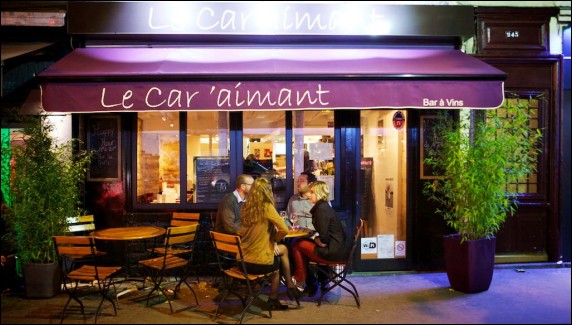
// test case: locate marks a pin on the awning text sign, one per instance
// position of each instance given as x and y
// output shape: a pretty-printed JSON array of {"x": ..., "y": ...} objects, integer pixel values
[
  {"x": 254, "y": 78},
  {"x": 268, "y": 95}
]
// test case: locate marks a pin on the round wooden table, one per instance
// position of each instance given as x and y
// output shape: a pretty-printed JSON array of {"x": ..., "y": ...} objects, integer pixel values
[
  {"x": 128, "y": 233},
  {"x": 300, "y": 232}
]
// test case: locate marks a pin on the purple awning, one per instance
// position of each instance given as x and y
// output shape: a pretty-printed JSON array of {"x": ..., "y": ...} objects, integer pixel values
[{"x": 243, "y": 78}]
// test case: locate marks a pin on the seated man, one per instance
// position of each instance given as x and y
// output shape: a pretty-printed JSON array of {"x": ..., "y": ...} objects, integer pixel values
[{"x": 228, "y": 213}]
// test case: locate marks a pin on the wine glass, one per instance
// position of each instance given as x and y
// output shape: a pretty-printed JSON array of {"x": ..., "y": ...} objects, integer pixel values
[{"x": 294, "y": 220}]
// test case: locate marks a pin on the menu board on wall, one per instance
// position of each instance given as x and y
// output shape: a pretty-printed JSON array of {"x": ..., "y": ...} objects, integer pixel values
[
  {"x": 104, "y": 141},
  {"x": 212, "y": 179}
]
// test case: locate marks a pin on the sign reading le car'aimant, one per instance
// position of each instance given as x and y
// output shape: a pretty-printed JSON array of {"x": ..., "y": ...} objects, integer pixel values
[{"x": 266, "y": 18}]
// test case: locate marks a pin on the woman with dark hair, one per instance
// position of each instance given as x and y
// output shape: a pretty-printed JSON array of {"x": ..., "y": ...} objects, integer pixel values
[{"x": 262, "y": 227}]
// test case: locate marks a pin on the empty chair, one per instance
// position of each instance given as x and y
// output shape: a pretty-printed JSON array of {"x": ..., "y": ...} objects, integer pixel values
[
  {"x": 81, "y": 225},
  {"x": 231, "y": 263},
  {"x": 337, "y": 271},
  {"x": 159, "y": 268},
  {"x": 90, "y": 271},
  {"x": 184, "y": 218}
]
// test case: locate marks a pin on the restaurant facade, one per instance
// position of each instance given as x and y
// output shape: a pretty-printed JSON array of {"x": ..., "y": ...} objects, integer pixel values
[{"x": 177, "y": 99}]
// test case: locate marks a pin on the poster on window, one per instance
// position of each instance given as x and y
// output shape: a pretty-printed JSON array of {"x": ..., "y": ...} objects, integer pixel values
[
  {"x": 212, "y": 179},
  {"x": 368, "y": 248},
  {"x": 385, "y": 246},
  {"x": 389, "y": 192},
  {"x": 400, "y": 248},
  {"x": 321, "y": 151}
]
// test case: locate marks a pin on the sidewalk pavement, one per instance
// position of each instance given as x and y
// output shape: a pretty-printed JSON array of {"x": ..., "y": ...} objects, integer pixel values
[{"x": 519, "y": 294}]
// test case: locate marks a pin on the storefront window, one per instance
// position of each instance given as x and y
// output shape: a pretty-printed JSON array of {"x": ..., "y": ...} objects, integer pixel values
[
  {"x": 159, "y": 169},
  {"x": 528, "y": 184},
  {"x": 158, "y": 158},
  {"x": 314, "y": 150},
  {"x": 383, "y": 178},
  {"x": 208, "y": 162},
  {"x": 264, "y": 148}
]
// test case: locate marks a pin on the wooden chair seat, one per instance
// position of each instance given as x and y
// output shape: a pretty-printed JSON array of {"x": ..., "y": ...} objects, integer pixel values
[
  {"x": 91, "y": 271},
  {"x": 170, "y": 260},
  {"x": 235, "y": 272},
  {"x": 231, "y": 263},
  {"x": 159, "y": 266},
  {"x": 337, "y": 271}
]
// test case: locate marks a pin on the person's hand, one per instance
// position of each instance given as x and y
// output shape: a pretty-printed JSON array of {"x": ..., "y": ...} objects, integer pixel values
[
  {"x": 319, "y": 242},
  {"x": 276, "y": 250}
]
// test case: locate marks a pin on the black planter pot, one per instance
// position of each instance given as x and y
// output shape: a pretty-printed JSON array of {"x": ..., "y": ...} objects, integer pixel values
[
  {"x": 42, "y": 280},
  {"x": 469, "y": 265}
]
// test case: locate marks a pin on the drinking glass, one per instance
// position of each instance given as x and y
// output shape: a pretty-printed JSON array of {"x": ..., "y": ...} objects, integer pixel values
[{"x": 294, "y": 220}]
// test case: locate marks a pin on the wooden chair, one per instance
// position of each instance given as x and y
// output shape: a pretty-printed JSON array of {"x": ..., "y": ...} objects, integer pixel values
[
  {"x": 90, "y": 271},
  {"x": 81, "y": 225},
  {"x": 231, "y": 263},
  {"x": 337, "y": 271},
  {"x": 160, "y": 266},
  {"x": 184, "y": 218}
]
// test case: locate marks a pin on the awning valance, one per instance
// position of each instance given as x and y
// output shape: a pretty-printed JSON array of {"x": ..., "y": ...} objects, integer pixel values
[{"x": 244, "y": 78}]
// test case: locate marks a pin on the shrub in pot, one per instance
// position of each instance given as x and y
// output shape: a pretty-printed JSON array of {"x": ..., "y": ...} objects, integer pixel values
[
  {"x": 46, "y": 183},
  {"x": 479, "y": 157}
]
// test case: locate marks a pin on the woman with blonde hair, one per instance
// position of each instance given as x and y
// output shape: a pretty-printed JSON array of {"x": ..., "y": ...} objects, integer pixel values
[
  {"x": 330, "y": 245},
  {"x": 262, "y": 227}
]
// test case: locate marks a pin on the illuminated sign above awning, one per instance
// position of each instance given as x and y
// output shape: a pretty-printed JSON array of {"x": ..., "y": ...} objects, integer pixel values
[
  {"x": 266, "y": 18},
  {"x": 244, "y": 78}
]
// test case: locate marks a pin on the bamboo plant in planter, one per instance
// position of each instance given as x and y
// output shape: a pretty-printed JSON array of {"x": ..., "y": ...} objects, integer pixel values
[
  {"x": 45, "y": 190},
  {"x": 480, "y": 162}
]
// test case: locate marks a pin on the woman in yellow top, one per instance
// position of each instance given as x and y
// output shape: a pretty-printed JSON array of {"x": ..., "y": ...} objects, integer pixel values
[{"x": 262, "y": 227}]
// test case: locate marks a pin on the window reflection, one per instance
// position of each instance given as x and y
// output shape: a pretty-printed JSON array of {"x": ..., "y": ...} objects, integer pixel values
[
  {"x": 264, "y": 148},
  {"x": 158, "y": 157},
  {"x": 383, "y": 177},
  {"x": 314, "y": 150}
]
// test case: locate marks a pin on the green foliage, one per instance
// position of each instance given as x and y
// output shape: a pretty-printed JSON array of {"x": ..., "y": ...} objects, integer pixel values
[
  {"x": 45, "y": 189},
  {"x": 478, "y": 162}
]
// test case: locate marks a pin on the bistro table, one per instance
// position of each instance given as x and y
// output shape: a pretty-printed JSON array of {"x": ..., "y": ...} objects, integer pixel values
[
  {"x": 127, "y": 234},
  {"x": 298, "y": 232}
]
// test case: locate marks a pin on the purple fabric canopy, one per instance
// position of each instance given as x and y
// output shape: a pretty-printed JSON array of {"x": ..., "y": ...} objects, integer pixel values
[{"x": 244, "y": 78}]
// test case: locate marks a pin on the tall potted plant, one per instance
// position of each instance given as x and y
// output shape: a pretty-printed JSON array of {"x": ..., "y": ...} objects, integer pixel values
[
  {"x": 480, "y": 161},
  {"x": 45, "y": 190}
]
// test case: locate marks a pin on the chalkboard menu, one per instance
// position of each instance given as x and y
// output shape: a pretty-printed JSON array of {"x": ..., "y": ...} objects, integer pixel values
[
  {"x": 104, "y": 140},
  {"x": 212, "y": 179},
  {"x": 429, "y": 141}
]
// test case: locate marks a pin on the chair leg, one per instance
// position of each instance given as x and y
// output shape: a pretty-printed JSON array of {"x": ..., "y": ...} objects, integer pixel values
[
  {"x": 178, "y": 287},
  {"x": 72, "y": 295},
  {"x": 338, "y": 279},
  {"x": 104, "y": 291},
  {"x": 252, "y": 296}
]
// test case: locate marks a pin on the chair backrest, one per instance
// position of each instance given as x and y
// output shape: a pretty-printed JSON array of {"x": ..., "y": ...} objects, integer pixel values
[
  {"x": 74, "y": 247},
  {"x": 81, "y": 224},
  {"x": 228, "y": 251},
  {"x": 350, "y": 261},
  {"x": 226, "y": 243},
  {"x": 181, "y": 235},
  {"x": 184, "y": 218}
]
